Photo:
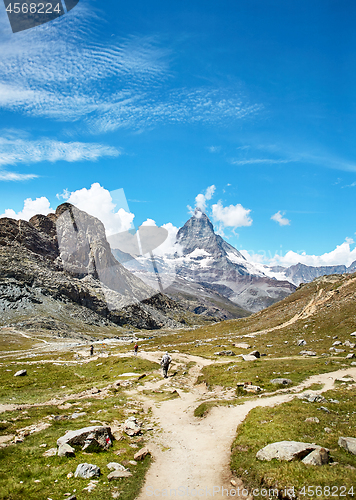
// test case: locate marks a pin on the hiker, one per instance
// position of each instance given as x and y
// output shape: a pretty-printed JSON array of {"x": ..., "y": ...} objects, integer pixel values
[
  {"x": 165, "y": 362},
  {"x": 91, "y": 350},
  {"x": 136, "y": 348}
]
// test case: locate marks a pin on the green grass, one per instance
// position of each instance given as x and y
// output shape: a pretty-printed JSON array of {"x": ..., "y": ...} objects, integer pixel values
[
  {"x": 263, "y": 370},
  {"x": 46, "y": 380},
  {"x": 287, "y": 422},
  {"x": 24, "y": 461}
]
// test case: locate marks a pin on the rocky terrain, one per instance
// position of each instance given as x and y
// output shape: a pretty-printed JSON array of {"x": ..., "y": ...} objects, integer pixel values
[
  {"x": 60, "y": 269},
  {"x": 212, "y": 273},
  {"x": 258, "y": 402}
]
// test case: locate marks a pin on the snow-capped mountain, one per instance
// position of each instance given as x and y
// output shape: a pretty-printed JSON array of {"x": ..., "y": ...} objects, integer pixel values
[
  {"x": 205, "y": 259},
  {"x": 300, "y": 273}
]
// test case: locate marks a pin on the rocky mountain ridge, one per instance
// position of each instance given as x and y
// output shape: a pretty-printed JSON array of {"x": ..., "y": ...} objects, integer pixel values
[
  {"x": 60, "y": 267},
  {"x": 205, "y": 264},
  {"x": 301, "y": 273}
]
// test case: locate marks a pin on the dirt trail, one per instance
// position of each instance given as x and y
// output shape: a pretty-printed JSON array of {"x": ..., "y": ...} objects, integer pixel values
[
  {"x": 193, "y": 453},
  {"x": 307, "y": 311}
]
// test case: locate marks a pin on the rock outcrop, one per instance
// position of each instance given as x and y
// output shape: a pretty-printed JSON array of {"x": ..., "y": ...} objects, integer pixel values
[{"x": 61, "y": 266}]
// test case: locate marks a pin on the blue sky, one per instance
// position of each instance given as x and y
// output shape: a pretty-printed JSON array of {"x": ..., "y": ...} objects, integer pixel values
[{"x": 164, "y": 100}]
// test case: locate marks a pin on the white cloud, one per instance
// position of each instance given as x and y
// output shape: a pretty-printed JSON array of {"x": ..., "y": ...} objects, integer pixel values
[
  {"x": 64, "y": 195},
  {"x": 341, "y": 255},
  {"x": 232, "y": 216},
  {"x": 252, "y": 161},
  {"x": 168, "y": 247},
  {"x": 278, "y": 217},
  {"x": 214, "y": 149},
  {"x": 5, "y": 175},
  {"x": 31, "y": 208},
  {"x": 45, "y": 62},
  {"x": 98, "y": 201},
  {"x": 201, "y": 199},
  {"x": 15, "y": 150}
]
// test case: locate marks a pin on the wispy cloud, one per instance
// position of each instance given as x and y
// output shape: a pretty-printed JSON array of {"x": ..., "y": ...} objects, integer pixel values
[
  {"x": 14, "y": 176},
  {"x": 274, "y": 154},
  {"x": 14, "y": 151},
  {"x": 73, "y": 71},
  {"x": 252, "y": 161}
]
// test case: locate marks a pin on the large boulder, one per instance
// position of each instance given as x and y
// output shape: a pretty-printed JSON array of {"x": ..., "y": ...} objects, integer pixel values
[
  {"x": 86, "y": 471},
  {"x": 312, "y": 398},
  {"x": 94, "y": 438},
  {"x": 282, "y": 381},
  {"x": 248, "y": 357},
  {"x": 286, "y": 450},
  {"x": 349, "y": 443},
  {"x": 20, "y": 373}
]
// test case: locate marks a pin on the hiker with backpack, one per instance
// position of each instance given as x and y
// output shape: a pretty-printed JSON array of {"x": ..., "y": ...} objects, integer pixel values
[
  {"x": 136, "y": 348},
  {"x": 165, "y": 362}
]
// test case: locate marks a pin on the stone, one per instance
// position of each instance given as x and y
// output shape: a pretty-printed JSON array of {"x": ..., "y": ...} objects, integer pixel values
[
  {"x": 286, "y": 450},
  {"x": 20, "y": 373},
  {"x": 327, "y": 429},
  {"x": 88, "y": 438},
  {"x": 353, "y": 334},
  {"x": 115, "y": 466},
  {"x": 141, "y": 454},
  {"x": 348, "y": 443},
  {"x": 351, "y": 355},
  {"x": 50, "y": 453},
  {"x": 301, "y": 342},
  {"x": 337, "y": 342},
  {"x": 248, "y": 357},
  {"x": 132, "y": 462},
  {"x": 336, "y": 351},
  {"x": 255, "y": 353},
  {"x": 252, "y": 388},
  {"x": 307, "y": 353},
  {"x": 312, "y": 398},
  {"x": 73, "y": 497},
  {"x": 317, "y": 457},
  {"x": 78, "y": 415},
  {"x": 242, "y": 345},
  {"x": 131, "y": 427},
  {"x": 65, "y": 450},
  {"x": 86, "y": 471},
  {"x": 283, "y": 381},
  {"x": 347, "y": 343},
  {"x": 324, "y": 409},
  {"x": 225, "y": 353},
  {"x": 117, "y": 474},
  {"x": 313, "y": 420}
]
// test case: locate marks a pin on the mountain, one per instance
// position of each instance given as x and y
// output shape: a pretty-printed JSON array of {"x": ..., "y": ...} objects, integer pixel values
[
  {"x": 319, "y": 312},
  {"x": 59, "y": 269},
  {"x": 300, "y": 273},
  {"x": 211, "y": 273}
]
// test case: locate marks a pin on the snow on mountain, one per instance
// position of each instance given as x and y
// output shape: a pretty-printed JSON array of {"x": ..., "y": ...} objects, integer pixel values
[{"x": 205, "y": 258}]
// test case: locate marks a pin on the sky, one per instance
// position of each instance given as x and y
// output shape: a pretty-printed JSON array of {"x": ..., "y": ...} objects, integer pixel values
[{"x": 141, "y": 111}]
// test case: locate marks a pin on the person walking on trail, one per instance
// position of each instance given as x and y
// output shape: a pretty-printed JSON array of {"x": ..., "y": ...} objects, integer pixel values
[
  {"x": 91, "y": 350},
  {"x": 165, "y": 362},
  {"x": 136, "y": 348}
]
